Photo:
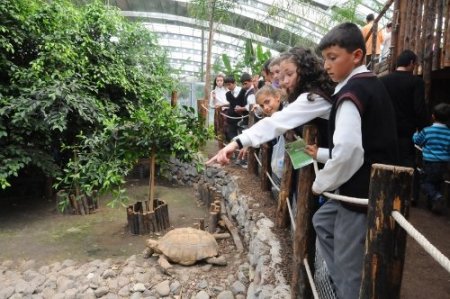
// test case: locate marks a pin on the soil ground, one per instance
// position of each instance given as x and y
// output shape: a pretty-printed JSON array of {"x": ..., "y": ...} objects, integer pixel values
[{"x": 32, "y": 229}]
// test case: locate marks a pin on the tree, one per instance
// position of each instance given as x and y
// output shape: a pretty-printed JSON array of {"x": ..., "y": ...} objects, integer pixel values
[
  {"x": 76, "y": 85},
  {"x": 214, "y": 12}
]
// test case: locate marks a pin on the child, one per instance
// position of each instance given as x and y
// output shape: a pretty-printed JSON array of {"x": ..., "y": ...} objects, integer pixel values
[
  {"x": 435, "y": 143},
  {"x": 309, "y": 89},
  {"x": 234, "y": 97},
  {"x": 361, "y": 132},
  {"x": 218, "y": 98}
]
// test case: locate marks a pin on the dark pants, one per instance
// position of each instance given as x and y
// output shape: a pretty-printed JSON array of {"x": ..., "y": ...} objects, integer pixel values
[
  {"x": 433, "y": 178},
  {"x": 232, "y": 129}
]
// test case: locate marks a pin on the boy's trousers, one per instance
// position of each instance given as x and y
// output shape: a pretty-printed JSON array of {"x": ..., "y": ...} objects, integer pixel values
[{"x": 341, "y": 235}]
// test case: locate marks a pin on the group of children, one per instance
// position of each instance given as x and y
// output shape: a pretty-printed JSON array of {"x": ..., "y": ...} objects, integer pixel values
[{"x": 351, "y": 104}]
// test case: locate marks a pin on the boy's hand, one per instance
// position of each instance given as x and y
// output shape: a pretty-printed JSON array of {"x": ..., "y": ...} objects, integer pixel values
[
  {"x": 312, "y": 150},
  {"x": 223, "y": 156}
]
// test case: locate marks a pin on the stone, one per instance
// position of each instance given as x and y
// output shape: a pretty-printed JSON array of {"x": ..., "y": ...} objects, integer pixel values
[
  {"x": 202, "y": 295},
  {"x": 136, "y": 295},
  {"x": 70, "y": 293},
  {"x": 163, "y": 288},
  {"x": 124, "y": 291},
  {"x": 202, "y": 284},
  {"x": 109, "y": 273},
  {"x": 225, "y": 295},
  {"x": 101, "y": 291},
  {"x": 175, "y": 287},
  {"x": 238, "y": 287},
  {"x": 139, "y": 287},
  {"x": 6, "y": 292}
]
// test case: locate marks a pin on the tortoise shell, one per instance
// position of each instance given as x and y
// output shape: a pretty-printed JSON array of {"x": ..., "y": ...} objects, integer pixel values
[{"x": 187, "y": 245}]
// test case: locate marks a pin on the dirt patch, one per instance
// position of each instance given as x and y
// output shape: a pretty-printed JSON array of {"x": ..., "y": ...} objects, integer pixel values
[{"x": 33, "y": 229}]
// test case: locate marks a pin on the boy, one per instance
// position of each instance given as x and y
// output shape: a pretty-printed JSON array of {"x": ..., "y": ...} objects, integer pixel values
[
  {"x": 435, "y": 143},
  {"x": 234, "y": 99},
  {"x": 361, "y": 132}
]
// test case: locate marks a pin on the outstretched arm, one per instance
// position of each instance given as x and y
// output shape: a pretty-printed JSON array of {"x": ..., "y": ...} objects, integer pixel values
[{"x": 223, "y": 156}]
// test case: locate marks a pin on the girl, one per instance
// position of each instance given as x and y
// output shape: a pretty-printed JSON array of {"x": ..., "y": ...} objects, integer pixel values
[
  {"x": 218, "y": 98},
  {"x": 309, "y": 89}
]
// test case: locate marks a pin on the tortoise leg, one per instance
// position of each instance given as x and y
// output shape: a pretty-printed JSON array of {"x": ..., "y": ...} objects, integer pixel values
[
  {"x": 167, "y": 268},
  {"x": 217, "y": 260}
]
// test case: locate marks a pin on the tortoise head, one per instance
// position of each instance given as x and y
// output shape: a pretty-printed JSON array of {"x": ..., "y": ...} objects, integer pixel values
[{"x": 153, "y": 246}]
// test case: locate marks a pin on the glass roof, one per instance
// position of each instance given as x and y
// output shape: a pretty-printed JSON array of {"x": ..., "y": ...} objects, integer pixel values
[{"x": 275, "y": 24}]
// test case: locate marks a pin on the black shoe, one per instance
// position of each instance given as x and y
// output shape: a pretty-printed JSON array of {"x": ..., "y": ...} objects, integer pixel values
[{"x": 438, "y": 204}]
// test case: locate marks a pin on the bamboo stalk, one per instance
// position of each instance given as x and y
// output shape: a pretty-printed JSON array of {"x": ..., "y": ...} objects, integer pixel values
[{"x": 437, "y": 37}]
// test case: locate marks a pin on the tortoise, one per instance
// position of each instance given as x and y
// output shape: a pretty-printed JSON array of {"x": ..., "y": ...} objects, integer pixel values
[{"x": 186, "y": 246}]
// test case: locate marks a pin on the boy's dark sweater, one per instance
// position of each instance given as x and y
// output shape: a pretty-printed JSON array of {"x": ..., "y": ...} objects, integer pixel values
[{"x": 379, "y": 138}]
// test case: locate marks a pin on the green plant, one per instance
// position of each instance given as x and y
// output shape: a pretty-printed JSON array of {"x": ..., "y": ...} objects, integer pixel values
[{"x": 82, "y": 93}]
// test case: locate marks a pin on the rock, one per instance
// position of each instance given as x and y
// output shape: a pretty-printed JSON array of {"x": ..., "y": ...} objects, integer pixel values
[
  {"x": 139, "y": 287},
  {"x": 163, "y": 288},
  {"x": 226, "y": 295},
  {"x": 70, "y": 293},
  {"x": 101, "y": 291},
  {"x": 136, "y": 295},
  {"x": 109, "y": 273},
  {"x": 202, "y": 284},
  {"x": 124, "y": 291},
  {"x": 238, "y": 287},
  {"x": 175, "y": 287},
  {"x": 6, "y": 292},
  {"x": 202, "y": 295}
]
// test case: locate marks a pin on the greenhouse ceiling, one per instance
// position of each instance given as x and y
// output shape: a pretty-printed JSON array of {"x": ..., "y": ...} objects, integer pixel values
[{"x": 275, "y": 24}]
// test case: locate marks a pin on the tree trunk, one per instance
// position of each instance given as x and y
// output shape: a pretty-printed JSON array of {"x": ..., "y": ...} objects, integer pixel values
[
  {"x": 211, "y": 6},
  {"x": 151, "y": 193}
]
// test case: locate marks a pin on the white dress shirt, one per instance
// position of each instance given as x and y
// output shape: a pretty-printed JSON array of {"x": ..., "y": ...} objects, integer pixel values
[
  {"x": 295, "y": 114},
  {"x": 347, "y": 155}
]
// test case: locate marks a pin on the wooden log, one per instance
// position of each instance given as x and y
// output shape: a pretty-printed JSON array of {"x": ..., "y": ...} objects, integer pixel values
[
  {"x": 221, "y": 236},
  {"x": 234, "y": 233},
  {"x": 167, "y": 219},
  {"x": 202, "y": 111},
  {"x": 174, "y": 98},
  {"x": 304, "y": 235},
  {"x": 84, "y": 201},
  {"x": 219, "y": 127},
  {"x": 130, "y": 219},
  {"x": 285, "y": 187},
  {"x": 74, "y": 204},
  {"x": 438, "y": 35},
  {"x": 266, "y": 155},
  {"x": 151, "y": 185},
  {"x": 152, "y": 221},
  {"x": 418, "y": 21},
  {"x": 395, "y": 35},
  {"x": 413, "y": 26},
  {"x": 446, "y": 54},
  {"x": 252, "y": 164},
  {"x": 390, "y": 189},
  {"x": 212, "y": 222},
  {"x": 141, "y": 223},
  {"x": 428, "y": 47},
  {"x": 403, "y": 25},
  {"x": 408, "y": 25}
]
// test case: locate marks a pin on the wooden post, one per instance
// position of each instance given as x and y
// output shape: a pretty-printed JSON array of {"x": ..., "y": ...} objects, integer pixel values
[
  {"x": 304, "y": 235},
  {"x": 266, "y": 155},
  {"x": 151, "y": 191},
  {"x": 437, "y": 36},
  {"x": 395, "y": 35},
  {"x": 174, "y": 98},
  {"x": 202, "y": 111},
  {"x": 286, "y": 187},
  {"x": 251, "y": 160},
  {"x": 446, "y": 55},
  {"x": 219, "y": 127},
  {"x": 428, "y": 29},
  {"x": 390, "y": 189}
]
